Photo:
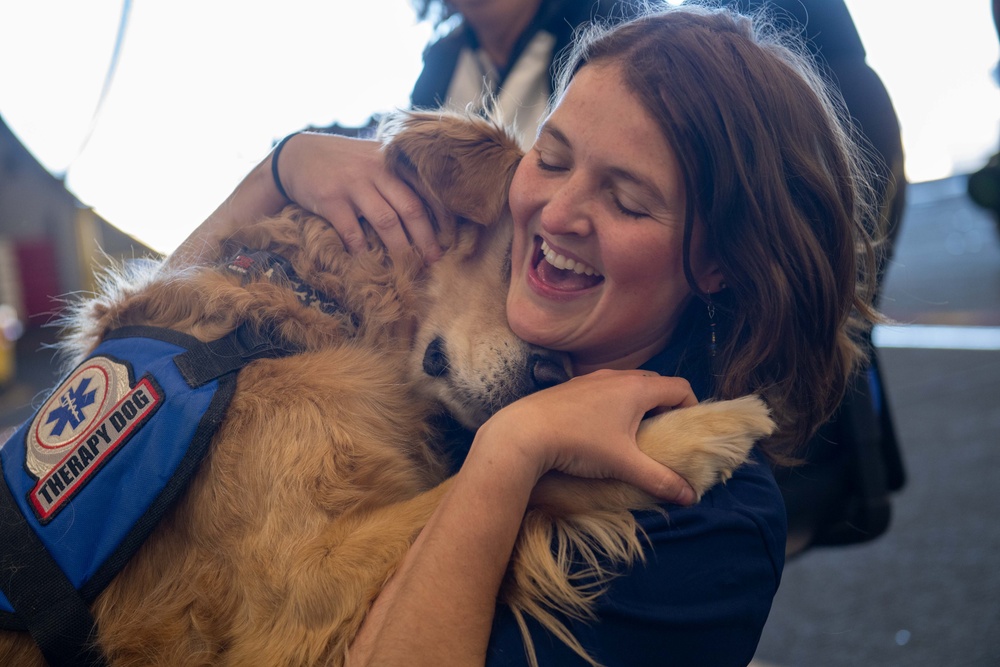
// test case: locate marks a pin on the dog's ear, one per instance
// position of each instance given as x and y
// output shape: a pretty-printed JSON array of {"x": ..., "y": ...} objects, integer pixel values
[{"x": 461, "y": 165}]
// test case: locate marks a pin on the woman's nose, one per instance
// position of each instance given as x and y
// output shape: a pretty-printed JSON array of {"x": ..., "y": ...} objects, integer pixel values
[{"x": 568, "y": 210}]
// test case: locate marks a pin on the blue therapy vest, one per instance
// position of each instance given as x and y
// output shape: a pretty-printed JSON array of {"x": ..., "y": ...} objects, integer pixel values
[{"x": 86, "y": 480}]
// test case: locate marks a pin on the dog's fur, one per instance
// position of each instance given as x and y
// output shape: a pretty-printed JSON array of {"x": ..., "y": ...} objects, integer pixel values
[{"x": 325, "y": 468}]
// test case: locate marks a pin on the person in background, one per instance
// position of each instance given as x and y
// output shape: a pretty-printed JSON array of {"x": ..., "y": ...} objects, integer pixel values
[{"x": 501, "y": 55}]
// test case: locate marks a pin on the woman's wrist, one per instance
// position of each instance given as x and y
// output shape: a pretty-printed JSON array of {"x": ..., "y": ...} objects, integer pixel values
[
  {"x": 275, "y": 169},
  {"x": 508, "y": 450}
]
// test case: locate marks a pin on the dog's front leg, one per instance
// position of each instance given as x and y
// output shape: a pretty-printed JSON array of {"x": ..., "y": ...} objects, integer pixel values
[{"x": 704, "y": 444}]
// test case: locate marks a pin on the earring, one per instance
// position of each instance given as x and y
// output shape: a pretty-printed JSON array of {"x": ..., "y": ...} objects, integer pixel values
[{"x": 711, "y": 326}]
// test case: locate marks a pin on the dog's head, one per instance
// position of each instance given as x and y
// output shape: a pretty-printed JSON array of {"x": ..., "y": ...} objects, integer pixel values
[{"x": 464, "y": 353}]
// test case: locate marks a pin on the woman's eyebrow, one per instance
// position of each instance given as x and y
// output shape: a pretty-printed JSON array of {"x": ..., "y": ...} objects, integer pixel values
[
  {"x": 623, "y": 174},
  {"x": 551, "y": 130}
]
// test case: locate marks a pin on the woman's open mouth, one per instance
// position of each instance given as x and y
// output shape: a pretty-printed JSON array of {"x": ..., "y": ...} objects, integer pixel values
[{"x": 558, "y": 272}]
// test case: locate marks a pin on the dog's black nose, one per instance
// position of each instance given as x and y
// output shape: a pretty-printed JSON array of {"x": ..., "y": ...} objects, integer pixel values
[
  {"x": 547, "y": 371},
  {"x": 436, "y": 359}
]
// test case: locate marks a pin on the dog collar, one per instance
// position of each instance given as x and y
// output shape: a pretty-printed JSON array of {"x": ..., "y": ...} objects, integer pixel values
[{"x": 256, "y": 264}]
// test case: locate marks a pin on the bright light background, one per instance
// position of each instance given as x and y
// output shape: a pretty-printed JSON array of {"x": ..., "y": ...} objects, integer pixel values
[{"x": 204, "y": 87}]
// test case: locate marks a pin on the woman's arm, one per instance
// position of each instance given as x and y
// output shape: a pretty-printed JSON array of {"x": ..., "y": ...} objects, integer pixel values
[
  {"x": 438, "y": 608},
  {"x": 339, "y": 178}
]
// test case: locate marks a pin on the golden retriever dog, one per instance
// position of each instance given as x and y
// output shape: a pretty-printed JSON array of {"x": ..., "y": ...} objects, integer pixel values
[{"x": 327, "y": 463}]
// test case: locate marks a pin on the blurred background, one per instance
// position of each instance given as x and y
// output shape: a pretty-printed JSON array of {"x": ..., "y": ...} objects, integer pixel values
[{"x": 123, "y": 125}]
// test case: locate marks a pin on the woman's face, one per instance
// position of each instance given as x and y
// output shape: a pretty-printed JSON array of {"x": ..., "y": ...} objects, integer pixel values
[{"x": 598, "y": 206}]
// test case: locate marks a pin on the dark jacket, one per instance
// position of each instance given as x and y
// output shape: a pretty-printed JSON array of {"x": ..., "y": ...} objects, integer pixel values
[{"x": 558, "y": 17}]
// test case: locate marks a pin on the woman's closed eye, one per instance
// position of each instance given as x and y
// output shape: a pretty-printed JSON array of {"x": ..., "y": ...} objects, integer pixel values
[
  {"x": 627, "y": 207},
  {"x": 548, "y": 166},
  {"x": 625, "y": 210}
]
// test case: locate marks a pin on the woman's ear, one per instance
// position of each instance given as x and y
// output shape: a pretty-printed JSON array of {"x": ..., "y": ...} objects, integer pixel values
[{"x": 712, "y": 279}]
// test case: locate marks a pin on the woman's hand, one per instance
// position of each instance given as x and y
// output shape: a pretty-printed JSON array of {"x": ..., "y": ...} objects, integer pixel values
[
  {"x": 338, "y": 178},
  {"x": 586, "y": 427},
  {"x": 344, "y": 179}
]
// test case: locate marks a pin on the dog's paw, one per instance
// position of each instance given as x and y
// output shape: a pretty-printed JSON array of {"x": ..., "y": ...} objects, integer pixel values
[{"x": 707, "y": 442}]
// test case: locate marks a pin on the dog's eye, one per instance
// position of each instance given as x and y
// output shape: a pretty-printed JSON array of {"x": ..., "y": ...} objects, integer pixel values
[{"x": 436, "y": 362}]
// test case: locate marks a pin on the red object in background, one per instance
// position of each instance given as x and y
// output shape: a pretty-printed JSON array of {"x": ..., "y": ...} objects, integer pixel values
[{"x": 36, "y": 259}]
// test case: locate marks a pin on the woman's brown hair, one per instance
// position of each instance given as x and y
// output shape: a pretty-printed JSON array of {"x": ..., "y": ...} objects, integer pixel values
[{"x": 773, "y": 173}]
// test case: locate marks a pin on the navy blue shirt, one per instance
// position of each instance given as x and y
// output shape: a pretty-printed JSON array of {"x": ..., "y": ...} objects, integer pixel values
[
  {"x": 701, "y": 597},
  {"x": 711, "y": 571}
]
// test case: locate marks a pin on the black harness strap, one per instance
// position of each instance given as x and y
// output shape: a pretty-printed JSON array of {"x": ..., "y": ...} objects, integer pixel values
[
  {"x": 55, "y": 614},
  {"x": 228, "y": 354}
]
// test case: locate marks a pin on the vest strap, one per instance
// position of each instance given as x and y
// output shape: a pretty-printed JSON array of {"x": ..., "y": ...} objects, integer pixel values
[
  {"x": 209, "y": 361},
  {"x": 51, "y": 608}
]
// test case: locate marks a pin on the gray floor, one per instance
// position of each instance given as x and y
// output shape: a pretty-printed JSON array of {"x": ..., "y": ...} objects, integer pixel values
[{"x": 928, "y": 592}]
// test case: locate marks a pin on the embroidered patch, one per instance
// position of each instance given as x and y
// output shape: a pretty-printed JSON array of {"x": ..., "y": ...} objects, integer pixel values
[{"x": 86, "y": 420}]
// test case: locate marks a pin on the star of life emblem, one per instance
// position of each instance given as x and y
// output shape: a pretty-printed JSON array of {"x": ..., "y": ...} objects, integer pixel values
[{"x": 86, "y": 419}]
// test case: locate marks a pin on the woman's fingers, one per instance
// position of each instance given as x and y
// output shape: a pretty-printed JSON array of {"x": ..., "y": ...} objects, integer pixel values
[
  {"x": 401, "y": 233},
  {"x": 649, "y": 388},
  {"x": 659, "y": 481},
  {"x": 666, "y": 392},
  {"x": 347, "y": 182},
  {"x": 344, "y": 219},
  {"x": 412, "y": 216}
]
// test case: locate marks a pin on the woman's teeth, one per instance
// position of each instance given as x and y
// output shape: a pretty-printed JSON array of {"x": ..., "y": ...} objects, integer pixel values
[{"x": 566, "y": 264}]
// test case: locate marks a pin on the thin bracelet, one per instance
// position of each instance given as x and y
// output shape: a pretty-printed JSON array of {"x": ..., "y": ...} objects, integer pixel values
[{"x": 274, "y": 167}]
